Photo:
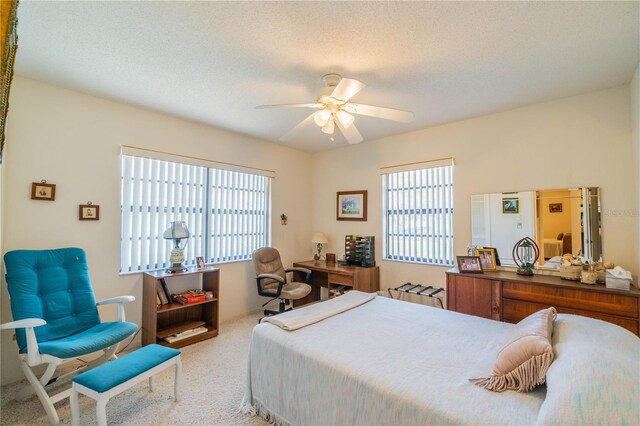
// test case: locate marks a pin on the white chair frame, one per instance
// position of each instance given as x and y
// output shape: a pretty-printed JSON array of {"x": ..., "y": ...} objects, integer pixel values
[{"x": 34, "y": 358}]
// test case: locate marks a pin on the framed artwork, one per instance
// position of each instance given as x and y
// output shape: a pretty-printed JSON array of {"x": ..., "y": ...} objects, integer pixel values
[
  {"x": 200, "y": 261},
  {"x": 469, "y": 264},
  {"x": 43, "y": 191},
  {"x": 555, "y": 207},
  {"x": 495, "y": 254},
  {"x": 510, "y": 205},
  {"x": 487, "y": 259},
  {"x": 89, "y": 211},
  {"x": 352, "y": 205}
]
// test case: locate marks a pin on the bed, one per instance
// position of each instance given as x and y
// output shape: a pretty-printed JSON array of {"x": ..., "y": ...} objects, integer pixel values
[
  {"x": 552, "y": 247},
  {"x": 392, "y": 362}
]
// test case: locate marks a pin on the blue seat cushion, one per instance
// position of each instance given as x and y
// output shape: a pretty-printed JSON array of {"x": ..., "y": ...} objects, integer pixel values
[
  {"x": 53, "y": 285},
  {"x": 111, "y": 374},
  {"x": 94, "y": 339}
]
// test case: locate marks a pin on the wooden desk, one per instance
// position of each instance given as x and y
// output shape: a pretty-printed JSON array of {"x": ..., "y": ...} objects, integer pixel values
[{"x": 325, "y": 274}]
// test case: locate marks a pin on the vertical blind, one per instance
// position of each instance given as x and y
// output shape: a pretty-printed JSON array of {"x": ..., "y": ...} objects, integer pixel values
[
  {"x": 226, "y": 211},
  {"x": 418, "y": 215}
]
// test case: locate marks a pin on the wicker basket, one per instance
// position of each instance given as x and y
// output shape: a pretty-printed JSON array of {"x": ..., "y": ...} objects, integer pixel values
[{"x": 571, "y": 272}]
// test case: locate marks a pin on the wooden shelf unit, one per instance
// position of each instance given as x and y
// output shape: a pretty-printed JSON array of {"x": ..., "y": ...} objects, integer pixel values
[{"x": 159, "y": 322}]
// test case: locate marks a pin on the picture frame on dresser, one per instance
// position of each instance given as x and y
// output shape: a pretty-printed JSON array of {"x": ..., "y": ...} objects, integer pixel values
[
  {"x": 487, "y": 258},
  {"x": 469, "y": 264},
  {"x": 495, "y": 253}
]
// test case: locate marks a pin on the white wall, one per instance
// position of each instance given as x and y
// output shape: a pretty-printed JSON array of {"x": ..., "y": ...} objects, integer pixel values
[
  {"x": 72, "y": 140},
  {"x": 635, "y": 137},
  {"x": 572, "y": 142}
]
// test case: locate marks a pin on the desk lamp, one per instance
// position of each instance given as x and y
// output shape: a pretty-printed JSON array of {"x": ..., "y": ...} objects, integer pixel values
[
  {"x": 319, "y": 239},
  {"x": 525, "y": 253},
  {"x": 178, "y": 232}
]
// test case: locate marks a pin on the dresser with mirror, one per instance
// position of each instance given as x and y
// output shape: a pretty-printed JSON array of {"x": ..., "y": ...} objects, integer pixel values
[{"x": 559, "y": 221}]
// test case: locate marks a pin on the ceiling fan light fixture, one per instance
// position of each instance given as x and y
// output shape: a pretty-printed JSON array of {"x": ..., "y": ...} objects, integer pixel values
[
  {"x": 329, "y": 127},
  {"x": 334, "y": 107},
  {"x": 345, "y": 118},
  {"x": 322, "y": 117}
]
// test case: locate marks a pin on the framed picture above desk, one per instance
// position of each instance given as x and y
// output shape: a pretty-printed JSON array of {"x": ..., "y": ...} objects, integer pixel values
[{"x": 332, "y": 275}]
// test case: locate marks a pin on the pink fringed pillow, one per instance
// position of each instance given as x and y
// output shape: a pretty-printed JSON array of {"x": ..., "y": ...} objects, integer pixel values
[{"x": 523, "y": 361}]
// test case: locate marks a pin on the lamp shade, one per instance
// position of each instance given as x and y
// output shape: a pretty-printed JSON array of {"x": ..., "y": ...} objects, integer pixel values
[
  {"x": 344, "y": 118},
  {"x": 177, "y": 230},
  {"x": 329, "y": 127},
  {"x": 322, "y": 117},
  {"x": 319, "y": 238}
]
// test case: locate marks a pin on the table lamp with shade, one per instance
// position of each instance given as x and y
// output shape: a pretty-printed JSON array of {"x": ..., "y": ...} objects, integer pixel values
[
  {"x": 179, "y": 233},
  {"x": 319, "y": 239}
]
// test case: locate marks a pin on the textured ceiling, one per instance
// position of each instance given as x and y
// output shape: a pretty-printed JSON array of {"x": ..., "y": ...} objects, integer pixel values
[{"x": 213, "y": 62}]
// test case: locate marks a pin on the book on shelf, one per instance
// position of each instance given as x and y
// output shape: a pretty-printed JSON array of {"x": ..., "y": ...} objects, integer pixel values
[
  {"x": 186, "y": 298},
  {"x": 161, "y": 295},
  {"x": 165, "y": 288}
]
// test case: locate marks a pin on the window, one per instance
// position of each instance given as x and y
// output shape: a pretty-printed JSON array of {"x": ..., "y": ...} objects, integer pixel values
[
  {"x": 226, "y": 211},
  {"x": 418, "y": 215}
]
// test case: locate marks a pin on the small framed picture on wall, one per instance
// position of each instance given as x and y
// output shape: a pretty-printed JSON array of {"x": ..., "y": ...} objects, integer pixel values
[
  {"x": 43, "y": 191},
  {"x": 89, "y": 211},
  {"x": 555, "y": 207}
]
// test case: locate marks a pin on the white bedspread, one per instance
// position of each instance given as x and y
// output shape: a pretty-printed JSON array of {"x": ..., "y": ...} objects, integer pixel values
[
  {"x": 389, "y": 362},
  {"x": 384, "y": 362}
]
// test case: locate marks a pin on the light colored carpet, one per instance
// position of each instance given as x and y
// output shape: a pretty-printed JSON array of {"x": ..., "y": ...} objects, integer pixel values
[{"x": 214, "y": 373}]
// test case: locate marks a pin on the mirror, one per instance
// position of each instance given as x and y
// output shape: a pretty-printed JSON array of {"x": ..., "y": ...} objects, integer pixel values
[{"x": 559, "y": 220}]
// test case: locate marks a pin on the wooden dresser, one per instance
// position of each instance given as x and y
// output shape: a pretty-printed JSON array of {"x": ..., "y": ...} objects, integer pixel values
[{"x": 507, "y": 296}]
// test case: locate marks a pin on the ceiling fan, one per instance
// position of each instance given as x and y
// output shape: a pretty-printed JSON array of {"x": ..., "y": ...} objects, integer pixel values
[{"x": 335, "y": 109}]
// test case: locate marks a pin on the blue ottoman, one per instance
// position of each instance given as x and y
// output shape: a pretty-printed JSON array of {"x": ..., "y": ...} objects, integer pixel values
[{"x": 108, "y": 380}]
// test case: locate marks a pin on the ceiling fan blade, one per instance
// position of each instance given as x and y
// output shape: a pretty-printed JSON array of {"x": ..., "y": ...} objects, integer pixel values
[
  {"x": 290, "y": 106},
  {"x": 287, "y": 136},
  {"x": 380, "y": 112},
  {"x": 347, "y": 88},
  {"x": 350, "y": 133}
]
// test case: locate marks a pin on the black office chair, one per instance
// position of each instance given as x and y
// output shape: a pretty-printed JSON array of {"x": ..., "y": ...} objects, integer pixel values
[{"x": 271, "y": 278}]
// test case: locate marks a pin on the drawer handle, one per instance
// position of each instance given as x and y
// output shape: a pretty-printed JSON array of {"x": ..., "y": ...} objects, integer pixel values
[{"x": 495, "y": 309}]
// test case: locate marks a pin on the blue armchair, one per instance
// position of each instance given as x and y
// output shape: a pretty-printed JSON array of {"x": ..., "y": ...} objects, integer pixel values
[{"x": 56, "y": 317}]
